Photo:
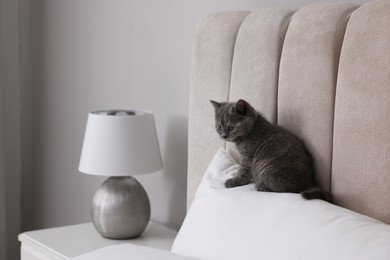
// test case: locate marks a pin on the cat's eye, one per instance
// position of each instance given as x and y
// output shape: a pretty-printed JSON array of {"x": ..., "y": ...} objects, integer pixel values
[
  {"x": 219, "y": 128},
  {"x": 232, "y": 128}
]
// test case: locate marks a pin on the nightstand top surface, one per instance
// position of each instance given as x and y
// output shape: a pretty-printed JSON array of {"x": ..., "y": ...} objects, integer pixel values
[{"x": 70, "y": 241}]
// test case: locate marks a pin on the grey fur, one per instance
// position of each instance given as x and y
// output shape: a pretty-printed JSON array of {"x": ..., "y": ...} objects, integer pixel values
[{"x": 271, "y": 157}]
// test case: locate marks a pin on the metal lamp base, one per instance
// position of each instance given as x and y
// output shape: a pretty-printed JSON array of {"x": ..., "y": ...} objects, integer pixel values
[{"x": 120, "y": 208}]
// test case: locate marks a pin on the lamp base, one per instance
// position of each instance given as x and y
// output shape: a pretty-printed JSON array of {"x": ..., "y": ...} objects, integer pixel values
[{"x": 120, "y": 208}]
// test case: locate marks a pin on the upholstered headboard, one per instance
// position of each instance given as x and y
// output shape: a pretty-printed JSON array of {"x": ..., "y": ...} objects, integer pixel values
[{"x": 322, "y": 72}]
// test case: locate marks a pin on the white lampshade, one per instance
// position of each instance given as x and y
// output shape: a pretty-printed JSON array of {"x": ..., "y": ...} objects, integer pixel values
[{"x": 120, "y": 143}]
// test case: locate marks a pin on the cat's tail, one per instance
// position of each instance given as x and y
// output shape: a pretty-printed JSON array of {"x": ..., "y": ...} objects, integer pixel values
[{"x": 315, "y": 193}]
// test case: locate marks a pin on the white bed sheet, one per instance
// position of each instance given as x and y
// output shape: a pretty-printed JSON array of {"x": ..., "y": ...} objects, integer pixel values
[{"x": 130, "y": 251}]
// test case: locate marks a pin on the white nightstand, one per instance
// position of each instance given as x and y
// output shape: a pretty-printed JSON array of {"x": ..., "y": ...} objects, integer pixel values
[{"x": 69, "y": 241}]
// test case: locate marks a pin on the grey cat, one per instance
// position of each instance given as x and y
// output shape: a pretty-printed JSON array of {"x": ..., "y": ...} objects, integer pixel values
[{"x": 271, "y": 157}]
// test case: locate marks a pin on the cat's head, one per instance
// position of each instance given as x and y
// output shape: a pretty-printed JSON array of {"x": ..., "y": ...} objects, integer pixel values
[{"x": 233, "y": 119}]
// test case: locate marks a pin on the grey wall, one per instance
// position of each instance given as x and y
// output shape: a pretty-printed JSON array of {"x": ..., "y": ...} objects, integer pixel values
[{"x": 98, "y": 54}]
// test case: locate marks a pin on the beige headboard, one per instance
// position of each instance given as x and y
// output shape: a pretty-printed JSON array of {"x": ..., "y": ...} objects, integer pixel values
[{"x": 322, "y": 71}]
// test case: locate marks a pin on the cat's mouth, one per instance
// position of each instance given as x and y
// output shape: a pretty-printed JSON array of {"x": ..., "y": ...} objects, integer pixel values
[{"x": 227, "y": 138}]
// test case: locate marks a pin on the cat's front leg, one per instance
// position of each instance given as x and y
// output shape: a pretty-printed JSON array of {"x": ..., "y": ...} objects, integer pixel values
[{"x": 243, "y": 177}]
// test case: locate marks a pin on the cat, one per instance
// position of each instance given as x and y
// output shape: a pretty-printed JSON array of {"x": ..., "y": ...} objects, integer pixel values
[{"x": 271, "y": 157}]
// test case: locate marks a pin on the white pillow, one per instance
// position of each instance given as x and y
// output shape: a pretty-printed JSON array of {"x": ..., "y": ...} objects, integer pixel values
[{"x": 242, "y": 223}]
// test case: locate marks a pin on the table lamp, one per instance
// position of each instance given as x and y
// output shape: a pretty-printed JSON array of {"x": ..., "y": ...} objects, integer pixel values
[{"x": 120, "y": 144}]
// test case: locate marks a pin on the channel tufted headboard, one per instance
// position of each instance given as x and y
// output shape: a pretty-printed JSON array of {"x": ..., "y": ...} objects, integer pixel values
[{"x": 322, "y": 72}]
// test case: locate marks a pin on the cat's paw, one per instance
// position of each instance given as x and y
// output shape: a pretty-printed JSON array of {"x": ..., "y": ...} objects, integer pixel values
[
  {"x": 230, "y": 183},
  {"x": 262, "y": 187}
]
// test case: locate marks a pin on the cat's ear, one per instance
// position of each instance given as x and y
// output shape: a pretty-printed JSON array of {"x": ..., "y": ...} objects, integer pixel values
[
  {"x": 216, "y": 105},
  {"x": 241, "y": 107}
]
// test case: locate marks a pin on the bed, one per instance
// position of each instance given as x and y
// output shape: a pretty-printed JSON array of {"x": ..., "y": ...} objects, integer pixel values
[{"x": 323, "y": 73}]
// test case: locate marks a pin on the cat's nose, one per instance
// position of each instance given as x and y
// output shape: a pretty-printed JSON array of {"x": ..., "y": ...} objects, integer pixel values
[{"x": 224, "y": 136}]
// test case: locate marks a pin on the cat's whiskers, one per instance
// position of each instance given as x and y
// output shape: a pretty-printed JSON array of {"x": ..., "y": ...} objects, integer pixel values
[{"x": 216, "y": 141}]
